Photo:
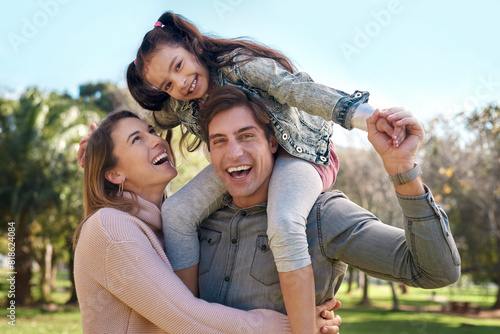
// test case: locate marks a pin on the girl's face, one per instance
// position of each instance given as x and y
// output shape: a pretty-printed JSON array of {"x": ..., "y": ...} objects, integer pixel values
[
  {"x": 144, "y": 158},
  {"x": 178, "y": 73}
]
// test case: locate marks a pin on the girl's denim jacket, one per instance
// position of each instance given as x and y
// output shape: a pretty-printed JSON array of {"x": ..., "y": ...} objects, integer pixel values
[{"x": 299, "y": 107}]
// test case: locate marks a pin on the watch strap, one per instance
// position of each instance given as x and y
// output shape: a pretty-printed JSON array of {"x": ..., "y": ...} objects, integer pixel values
[{"x": 402, "y": 178}]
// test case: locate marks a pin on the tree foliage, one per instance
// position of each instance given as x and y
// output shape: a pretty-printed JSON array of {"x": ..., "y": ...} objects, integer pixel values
[
  {"x": 38, "y": 192},
  {"x": 464, "y": 152},
  {"x": 363, "y": 179}
]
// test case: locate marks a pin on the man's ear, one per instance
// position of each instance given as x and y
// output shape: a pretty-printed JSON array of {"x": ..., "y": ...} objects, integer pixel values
[
  {"x": 273, "y": 142},
  {"x": 114, "y": 176}
]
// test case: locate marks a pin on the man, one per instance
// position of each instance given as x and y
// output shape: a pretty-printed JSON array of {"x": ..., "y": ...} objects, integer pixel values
[{"x": 236, "y": 265}]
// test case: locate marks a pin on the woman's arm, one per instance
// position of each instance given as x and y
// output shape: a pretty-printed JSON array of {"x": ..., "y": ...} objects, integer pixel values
[
  {"x": 136, "y": 273},
  {"x": 142, "y": 279}
]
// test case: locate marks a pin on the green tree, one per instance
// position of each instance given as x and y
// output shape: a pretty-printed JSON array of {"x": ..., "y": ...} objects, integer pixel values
[
  {"x": 38, "y": 134},
  {"x": 108, "y": 97},
  {"x": 466, "y": 151},
  {"x": 362, "y": 178}
]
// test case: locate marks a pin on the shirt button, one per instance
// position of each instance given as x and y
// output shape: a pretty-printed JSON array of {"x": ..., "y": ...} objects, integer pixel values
[
  {"x": 234, "y": 240},
  {"x": 322, "y": 159},
  {"x": 299, "y": 149},
  {"x": 226, "y": 278},
  {"x": 358, "y": 94},
  {"x": 243, "y": 213},
  {"x": 264, "y": 247},
  {"x": 284, "y": 136}
]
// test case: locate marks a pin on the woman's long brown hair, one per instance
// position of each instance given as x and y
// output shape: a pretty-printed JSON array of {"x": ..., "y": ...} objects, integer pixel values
[{"x": 98, "y": 192}]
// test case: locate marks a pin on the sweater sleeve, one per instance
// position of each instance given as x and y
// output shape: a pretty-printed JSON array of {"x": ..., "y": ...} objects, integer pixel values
[
  {"x": 142, "y": 279},
  {"x": 298, "y": 90}
]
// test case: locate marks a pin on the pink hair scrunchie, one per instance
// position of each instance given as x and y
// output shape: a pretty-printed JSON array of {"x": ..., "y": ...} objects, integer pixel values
[{"x": 158, "y": 24}]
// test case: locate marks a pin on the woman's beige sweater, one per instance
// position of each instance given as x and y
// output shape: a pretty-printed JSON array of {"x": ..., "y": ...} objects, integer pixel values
[{"x": 125, "y": 283}]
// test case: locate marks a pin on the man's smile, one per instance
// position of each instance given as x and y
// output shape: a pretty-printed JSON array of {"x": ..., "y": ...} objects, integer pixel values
[{"x": 239, "y": 172}]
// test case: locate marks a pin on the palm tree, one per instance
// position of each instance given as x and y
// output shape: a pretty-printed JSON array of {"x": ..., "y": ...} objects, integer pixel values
[{"x": 37, "y": 138}]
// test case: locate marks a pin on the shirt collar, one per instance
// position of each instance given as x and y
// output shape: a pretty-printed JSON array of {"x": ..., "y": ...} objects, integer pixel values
[{"x": 227, "y": 200}]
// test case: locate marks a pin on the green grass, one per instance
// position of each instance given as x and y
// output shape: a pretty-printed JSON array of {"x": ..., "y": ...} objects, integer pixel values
[
  {"x": 379, "y": 319},
  {"x": 66, "y": 320},
  {"x": 356, "y": 319}
]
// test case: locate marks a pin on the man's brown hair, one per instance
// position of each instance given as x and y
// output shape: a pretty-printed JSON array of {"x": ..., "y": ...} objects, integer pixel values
[{"x": 227, "y": 97}]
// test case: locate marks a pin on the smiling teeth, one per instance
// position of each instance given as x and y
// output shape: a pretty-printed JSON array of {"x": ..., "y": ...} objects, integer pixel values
[
  {"x": 158, "y": 158},
  {"x": 193, "y": 85},
  {"x": 237, "y": 169}
]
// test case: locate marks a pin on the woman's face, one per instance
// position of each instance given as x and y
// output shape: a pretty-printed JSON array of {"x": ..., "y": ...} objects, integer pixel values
[
  {"x": 144, "y": 158},
  {"x": 177, "y": 72}
]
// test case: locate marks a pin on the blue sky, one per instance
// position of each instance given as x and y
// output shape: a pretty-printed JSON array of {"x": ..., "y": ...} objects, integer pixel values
[{"x": 431, "y": 57}]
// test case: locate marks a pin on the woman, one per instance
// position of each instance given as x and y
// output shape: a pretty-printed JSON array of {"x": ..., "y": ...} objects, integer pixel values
[{"x": 124, "y": 281}]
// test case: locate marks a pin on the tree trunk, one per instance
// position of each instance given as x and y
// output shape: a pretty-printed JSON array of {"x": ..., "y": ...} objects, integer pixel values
[
  {"x": 351, "y": 279},
  {"x": 395, "y": 302},
  {"x": 496, "y": 306},
  {"x": 358, "y": 275},
  {"x": 23, "y": 276},
  {"x": 46, "y": 273},
  {"x": 23, "y": 263},
  {"x": 365, "y": 300},
  {"x": 53, "y": 276},
  {"x": 73, "y": 299}
]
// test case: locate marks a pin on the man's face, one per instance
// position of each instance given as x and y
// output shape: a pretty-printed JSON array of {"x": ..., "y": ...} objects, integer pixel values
[{"x": 242, "y": 155}]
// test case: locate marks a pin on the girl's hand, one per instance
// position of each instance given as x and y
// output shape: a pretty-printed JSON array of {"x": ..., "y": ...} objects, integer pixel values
[
  {"x": 327, "y": 321},
  {"x": 83, "y": 145},
  {"x": 397, "y": 133},
  {"x": 396, "y": 159}
]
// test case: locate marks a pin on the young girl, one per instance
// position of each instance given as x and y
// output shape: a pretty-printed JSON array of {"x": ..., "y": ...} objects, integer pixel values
[{"x": 175, "y": 70}]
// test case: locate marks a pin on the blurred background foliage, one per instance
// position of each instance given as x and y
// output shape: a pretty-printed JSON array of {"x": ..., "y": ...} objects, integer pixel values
[{"x": 41, "y": 183}]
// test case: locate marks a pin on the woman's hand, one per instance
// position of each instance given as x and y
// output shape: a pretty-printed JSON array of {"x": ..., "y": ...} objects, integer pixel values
[
  {"x": 83, "y": 145},
  {"x": 327, "y": 321}
]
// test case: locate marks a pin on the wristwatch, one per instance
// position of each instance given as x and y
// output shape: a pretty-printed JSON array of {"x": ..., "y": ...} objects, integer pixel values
[{"x": 403, "y": 178}]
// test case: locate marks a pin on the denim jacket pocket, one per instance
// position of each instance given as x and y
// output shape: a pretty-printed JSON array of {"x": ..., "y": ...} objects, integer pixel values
[
  {"x": 209, "y": 242},
  {"x": 263, "y": 268}
]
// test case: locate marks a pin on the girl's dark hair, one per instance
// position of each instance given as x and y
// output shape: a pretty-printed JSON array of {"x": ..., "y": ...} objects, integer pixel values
[{"x": 179, "y": 32}]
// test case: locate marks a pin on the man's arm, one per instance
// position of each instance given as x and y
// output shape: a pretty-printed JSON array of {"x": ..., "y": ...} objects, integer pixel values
[{"x": 424, "y": 253}]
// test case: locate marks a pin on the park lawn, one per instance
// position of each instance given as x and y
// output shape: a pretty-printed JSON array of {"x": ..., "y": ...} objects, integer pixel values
[
  {"x": 66, "y": 320},
  {"x": 380, "y": 319},
  {"x": 355, "y": 318}
]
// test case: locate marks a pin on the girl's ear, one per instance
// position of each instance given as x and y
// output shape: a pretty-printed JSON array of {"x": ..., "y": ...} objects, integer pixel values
[{"x": 114, "y": 177}]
